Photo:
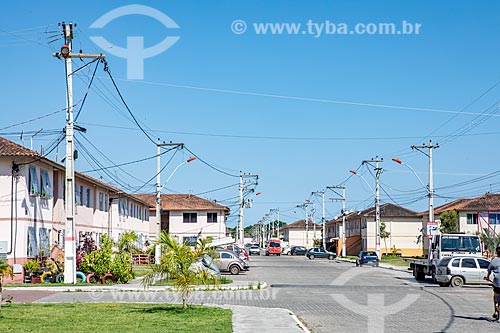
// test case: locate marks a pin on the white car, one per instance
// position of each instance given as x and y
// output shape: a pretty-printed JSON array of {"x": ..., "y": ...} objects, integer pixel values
[{"x": 286, "y": 250}]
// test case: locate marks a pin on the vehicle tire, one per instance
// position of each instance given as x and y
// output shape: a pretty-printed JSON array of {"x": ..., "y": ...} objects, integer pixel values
[
  {"x": 82, "y": 277},
  {"x": 60, "y": 278},
  {"x": 357, "y": 263},
  {"x": 442, "y": 284},
  {"x": 311, "y": 257},
  {"x": 92, "y": 278},
  {"x": 267, "y": 254},
  {"x": 107, "y": 278},
  {"x": 418, "y": 274},
  {"x": 457, "y": 281},
  {"x": 330, "y": 257},
  {"x": 46, "y": 277},
  {"x": 234, "y": 270}
]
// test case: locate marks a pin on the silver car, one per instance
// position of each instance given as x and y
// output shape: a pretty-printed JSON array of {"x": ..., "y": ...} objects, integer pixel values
[
  {"x": 457, "y": 271},
  {"x": 228, "y": 261}
]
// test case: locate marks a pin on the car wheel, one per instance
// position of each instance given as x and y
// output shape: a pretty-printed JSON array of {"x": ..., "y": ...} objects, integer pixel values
[
  {"x": 234, "y": 270},
  {"x": 311, "y": 257},
  {"x": 330, "y": 257},
  {"x": 457, "y": 281}
]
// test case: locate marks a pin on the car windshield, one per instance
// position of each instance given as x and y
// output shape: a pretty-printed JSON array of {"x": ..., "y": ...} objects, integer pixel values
[
  {"x": 460, "y": 243},
  {"x": 274, "y": 244},
  {"x": 254, "y": 247}
]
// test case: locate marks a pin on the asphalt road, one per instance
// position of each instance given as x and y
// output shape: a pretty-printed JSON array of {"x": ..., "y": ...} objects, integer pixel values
[{"x": 339, "y": 297}]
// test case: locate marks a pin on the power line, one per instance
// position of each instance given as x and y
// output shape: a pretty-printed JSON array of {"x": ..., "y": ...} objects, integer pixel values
[{"x": 211, "y": 166}]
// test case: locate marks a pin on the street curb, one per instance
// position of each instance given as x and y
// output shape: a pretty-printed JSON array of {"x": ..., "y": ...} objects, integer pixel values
[
  {"x": 123, "y": 288},
  {"x": 299, "y": 323}
]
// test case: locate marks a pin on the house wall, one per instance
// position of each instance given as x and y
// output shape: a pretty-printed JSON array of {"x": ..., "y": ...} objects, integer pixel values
[
  {"x": 403, "y": 235},
  {"x": 297, "y": 236},
  {"x": 179, "y": 229},
  {"x": 29, "y": 212}
]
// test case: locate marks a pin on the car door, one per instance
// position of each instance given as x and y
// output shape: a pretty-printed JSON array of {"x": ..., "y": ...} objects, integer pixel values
[
  {"x": 469, "y": 270},
  {"x": 483, "y": 268},
  {"x": 321, "y": 253}
]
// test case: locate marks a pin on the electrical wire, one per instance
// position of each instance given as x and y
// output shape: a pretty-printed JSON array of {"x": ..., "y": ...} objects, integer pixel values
[{"x": 211, "y": 166}]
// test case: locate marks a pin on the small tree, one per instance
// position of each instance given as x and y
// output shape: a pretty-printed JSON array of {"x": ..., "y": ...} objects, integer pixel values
[
  {"x": 384, "y": 234},
  {"x": 5, "y": 270},
  {"x": 126, "y": 242},
  {"x": 490, "y": 241},
  {"x": 449, "y": 222},
  {"x": 176, "y": 263}
]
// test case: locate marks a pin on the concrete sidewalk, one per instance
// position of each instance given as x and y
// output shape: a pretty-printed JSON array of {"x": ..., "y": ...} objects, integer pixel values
[{"x": 245, "y": 318}]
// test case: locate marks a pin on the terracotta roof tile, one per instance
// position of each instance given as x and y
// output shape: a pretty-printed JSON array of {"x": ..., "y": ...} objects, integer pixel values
[
  {"x": 10, "y": 149},
  {"x": 179, "y": 202},
  {"x": 389, "y": 209},
  {"x": 301, "y": 224},
  {"x": 487, "y": 202}
]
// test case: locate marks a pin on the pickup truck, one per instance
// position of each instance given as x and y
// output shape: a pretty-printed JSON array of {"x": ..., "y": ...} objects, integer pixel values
[{"x": 444, "y": 245}]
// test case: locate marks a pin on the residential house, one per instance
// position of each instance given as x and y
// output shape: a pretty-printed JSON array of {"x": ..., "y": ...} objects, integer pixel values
[
  {"x": 32, "y": 210},
  {"x": 299, "y": 233},
  {"x": 403, "y": 225},
  {"x": 187, "y": 217}
]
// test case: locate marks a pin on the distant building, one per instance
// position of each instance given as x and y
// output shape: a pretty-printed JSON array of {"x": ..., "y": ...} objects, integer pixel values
[
  {"x": 299, "y": 233},
  {"x": 188, "y": 217}
]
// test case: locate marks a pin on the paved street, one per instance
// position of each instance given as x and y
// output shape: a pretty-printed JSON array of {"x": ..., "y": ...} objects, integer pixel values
[{"x": 339, "y": 297}]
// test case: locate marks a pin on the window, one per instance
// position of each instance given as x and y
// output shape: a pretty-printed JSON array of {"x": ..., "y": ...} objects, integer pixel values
[
  {"x": 33, "y": 181},
  {"x": 468, "y": 263},
  {"x": 189, "y": 240},
  {"x": 32, "y": 242},
  {"x": 81, "y": 195},
  {"x": 44, "y": 241},
  {"x": 494, "y": 218},
  {"x": 106, "y": 202},
  {"x": 224, "y": 255},
  {"x": 101, "y": 201},
  {"x": 46, "y": 188},
  {"x": 483, "y": 263},
  {"x": 190, "y": 217},
  {"x": 472, "y": 218},
  {"x": 122, "y": 207},
  {"x": 78, "y": 194},
  {"x": 211, "y": 217},
  {"x": 456, "y": 263},
  {"x": 87, "y": 202}
]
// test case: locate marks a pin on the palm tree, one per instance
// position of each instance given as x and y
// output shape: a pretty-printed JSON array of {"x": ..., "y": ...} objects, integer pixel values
[
  {"x": 5, "y": 270},
  {"x": 490, "y": 239},
  {"x": 127, "y": 242},
  {"x": 176, "y": 264}
]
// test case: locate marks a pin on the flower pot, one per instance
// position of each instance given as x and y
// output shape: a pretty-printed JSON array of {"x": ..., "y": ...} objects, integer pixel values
[{"x": 35, "y": 279}]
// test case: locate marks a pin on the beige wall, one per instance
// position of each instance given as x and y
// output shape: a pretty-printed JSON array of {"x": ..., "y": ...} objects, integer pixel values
[
  {"x": 404, "y": 233},
  {"x": 297, "y": 236}
]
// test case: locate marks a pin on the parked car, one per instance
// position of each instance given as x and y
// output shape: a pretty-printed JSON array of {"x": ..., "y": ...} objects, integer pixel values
[
  {"x": 367, "y": 257},
  {"x": 242, "y": 254},
  {"x": 286, "y": 250},
  {"x": 207, "y": 263},
  {"x": 457, "y": 271},
  {"x": 298, "y": 250},
  {"x": 229, "y": 261},
  {"x": 319, "y": 252},
  {"x": 254, "y": 249}
]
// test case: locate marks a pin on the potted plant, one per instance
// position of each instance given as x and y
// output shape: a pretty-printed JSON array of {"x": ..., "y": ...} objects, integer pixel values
[{"x": 30, "y": 268}]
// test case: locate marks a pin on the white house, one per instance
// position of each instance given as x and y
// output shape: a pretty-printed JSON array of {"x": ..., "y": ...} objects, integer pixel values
[
  {"x": 188, "y": 217},
  {"x": 32, "y": 212},
  {"x": 299, "y": 233}
]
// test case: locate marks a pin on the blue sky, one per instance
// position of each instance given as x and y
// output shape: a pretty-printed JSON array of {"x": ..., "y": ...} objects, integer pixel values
[{"x": 269, "y": 104}]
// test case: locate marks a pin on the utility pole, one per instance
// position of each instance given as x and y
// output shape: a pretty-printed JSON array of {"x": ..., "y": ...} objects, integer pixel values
[
  {"x": 378, "y": 171},
  {"x": 241, "y": 188},
  {"x": 322, "y": 193},
  {"x": 430, "y": 187},
  {"x": 158, "y": 196},
  {"x": 69, "y": 227},
  {"x": 342, "y": 198}
]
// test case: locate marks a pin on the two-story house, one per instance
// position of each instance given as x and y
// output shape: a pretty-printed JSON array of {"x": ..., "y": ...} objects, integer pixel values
[{"x": 188, "y": 217}]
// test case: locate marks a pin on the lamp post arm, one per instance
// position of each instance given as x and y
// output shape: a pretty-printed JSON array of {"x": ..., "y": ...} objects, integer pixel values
[{"x": 416, "y": 175}]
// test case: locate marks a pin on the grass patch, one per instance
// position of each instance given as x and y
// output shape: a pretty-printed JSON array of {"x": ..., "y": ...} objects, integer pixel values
[
  {"x": 139, "y": 271},
  {"x": 166, "y": 282},
  {"x": 116, "y": 317},
  {"x": 395, "y": 261}
]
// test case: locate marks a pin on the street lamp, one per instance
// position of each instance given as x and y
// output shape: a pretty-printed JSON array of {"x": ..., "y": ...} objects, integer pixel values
[{"x": 158, "y": 206}]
